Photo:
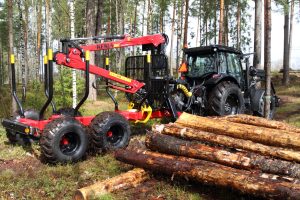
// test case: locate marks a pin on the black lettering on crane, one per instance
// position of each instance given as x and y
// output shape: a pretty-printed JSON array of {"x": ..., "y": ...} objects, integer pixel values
[{"x": 105, "y": 46}]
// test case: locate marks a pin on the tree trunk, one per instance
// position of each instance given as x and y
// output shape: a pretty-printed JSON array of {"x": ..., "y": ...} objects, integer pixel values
[
  {"x": 212, "y": 173},
  {"x": 239, "y": 159},
  {"x": 238, "y": 26},
  {"x": 143, "y": 16},
  {"x": 48, "y": 24},
  {"x": 74, "y": 78},
  {"x": 257, "y": 34},
  {"x": 221, "y": 22},
  {"x": 215, "y": 21},
  {"x": 90, "y": 30},
  {"x": 22, "y": 49},
  {"x": 98, "y": 31},
  {"x": 198, "y": 35},
  {"x": 230, "y": 142},
  {"x": 267, "y": 58},
  {"x": 108, "y": 30},
  {"x": 186, "y": 22},
  {"x": 172, "y": 37},
  {"x": 121, "y": 182},
  {"x": 225, "y": 26},
  {"x": 262, "y": 122},
  {"x": 247, "y": 132},
  {"x": 135, "y": 21},
  {"x": 26, "y": 22},
  {"x": 39, "y": 39},
  {"x": 149, "y": 20},
  {"x": 286, "y": 65},
  {"x": 291, "y": 33},
  {"x": 10, "y": 46}
]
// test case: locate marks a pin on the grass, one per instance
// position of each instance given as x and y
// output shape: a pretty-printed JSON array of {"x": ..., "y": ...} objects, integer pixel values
[{"x": 23, "y": 176}]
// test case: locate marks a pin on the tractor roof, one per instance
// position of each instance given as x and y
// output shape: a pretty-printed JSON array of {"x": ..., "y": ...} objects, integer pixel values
[{"x": 212, "y": 48}]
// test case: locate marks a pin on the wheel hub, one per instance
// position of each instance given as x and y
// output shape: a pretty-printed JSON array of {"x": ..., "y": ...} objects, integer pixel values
[
  {"x": 69, "y": 143},
  {"x": 115, "y": 135}
]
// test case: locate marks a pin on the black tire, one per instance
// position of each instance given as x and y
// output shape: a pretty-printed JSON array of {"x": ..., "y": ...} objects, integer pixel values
[
  {"x": 68, "y": 112},
  {"x": 64, "y": 140},
  {"x": 109, "y": 131},
  {"x": 17, "y": 138},
  {"x": 226, "y": 99},
  {"x": 257, "y": 103}
]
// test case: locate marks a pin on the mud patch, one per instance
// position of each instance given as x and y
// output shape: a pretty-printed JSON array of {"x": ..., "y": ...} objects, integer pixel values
[{"x": 29, "y": 165}]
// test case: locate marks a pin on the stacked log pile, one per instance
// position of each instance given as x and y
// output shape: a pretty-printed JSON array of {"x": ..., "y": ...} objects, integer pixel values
[{"x": 246, "y": 153}]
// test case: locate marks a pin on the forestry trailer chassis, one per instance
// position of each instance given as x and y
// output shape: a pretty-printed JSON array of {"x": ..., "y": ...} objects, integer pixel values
[{"x": 65, "y": 135}]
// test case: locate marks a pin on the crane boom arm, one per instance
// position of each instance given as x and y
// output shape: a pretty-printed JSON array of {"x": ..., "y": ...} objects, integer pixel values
[
  {"x": 73, "y": 57},
  {"x": 128, "y": 41}
]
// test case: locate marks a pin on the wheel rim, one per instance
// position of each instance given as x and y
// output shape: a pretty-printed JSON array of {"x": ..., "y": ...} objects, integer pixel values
[
  {"x": 231, "y": 105},
  {"x": 114, "y": 135},
  {"x": 69, "y": 143}
]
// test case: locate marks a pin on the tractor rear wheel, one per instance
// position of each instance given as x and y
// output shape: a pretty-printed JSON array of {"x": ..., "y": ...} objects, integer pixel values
[
  {"x": 17, "y": 138},
  {"x": 109, "y": 131},
  {"x": 64, "y": 140},
  {"x": 226, "y": 99}
]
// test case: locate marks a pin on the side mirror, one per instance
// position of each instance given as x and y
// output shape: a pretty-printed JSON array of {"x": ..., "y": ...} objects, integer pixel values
[{"x": 252, "y": 71}]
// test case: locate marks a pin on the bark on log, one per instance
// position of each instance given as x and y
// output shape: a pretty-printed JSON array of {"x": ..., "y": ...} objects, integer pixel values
[
  {"x": 257, "y": 134},
  {"x": 123, "y": 181},
  {"x": 259, "y": 121},
  {"x": 193, "y": 134},
  {"x": 264, "y": 185},
  {"x": 239, "y": 159}
]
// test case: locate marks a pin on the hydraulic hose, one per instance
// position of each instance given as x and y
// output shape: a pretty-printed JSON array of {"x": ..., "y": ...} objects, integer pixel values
[{"x": 185, "y": 90}]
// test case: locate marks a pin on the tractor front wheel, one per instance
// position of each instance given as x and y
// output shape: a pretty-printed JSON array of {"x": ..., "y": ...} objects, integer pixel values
[
  {"x": 226, "y": 99},
  {"x": 258, "y": 104},
  {"x": 109, "y": 131},
  {"x": 64, "y": 140}
]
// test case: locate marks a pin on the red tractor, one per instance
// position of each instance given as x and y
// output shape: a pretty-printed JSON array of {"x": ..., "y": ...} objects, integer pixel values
[{"x": 65, "y": 135}]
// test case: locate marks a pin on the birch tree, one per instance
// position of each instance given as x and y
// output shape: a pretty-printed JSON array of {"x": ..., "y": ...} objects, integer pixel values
[{"x": 72, "y": 25}]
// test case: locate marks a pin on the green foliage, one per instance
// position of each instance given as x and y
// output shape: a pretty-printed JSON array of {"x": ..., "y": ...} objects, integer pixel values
[
  {"x": 35, "y": 97},
  {"x": 61, "y": 19},
  {"x": 63, "y": 87}
]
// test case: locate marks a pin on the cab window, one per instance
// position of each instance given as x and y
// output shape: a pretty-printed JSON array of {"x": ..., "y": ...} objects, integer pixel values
[
  {"x": 234, "y": 64},
  {"x": 201, "y": 64}
]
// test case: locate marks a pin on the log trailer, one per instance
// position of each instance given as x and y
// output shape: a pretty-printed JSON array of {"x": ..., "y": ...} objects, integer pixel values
[{"x": 66, "y": 135}]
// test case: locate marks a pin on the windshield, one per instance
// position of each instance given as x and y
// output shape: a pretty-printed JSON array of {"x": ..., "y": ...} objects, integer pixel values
[{"x": 201, "y": 64}]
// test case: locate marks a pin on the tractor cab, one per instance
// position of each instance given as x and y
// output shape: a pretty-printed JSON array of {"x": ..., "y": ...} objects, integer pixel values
[{"x": 214, "y": 63}]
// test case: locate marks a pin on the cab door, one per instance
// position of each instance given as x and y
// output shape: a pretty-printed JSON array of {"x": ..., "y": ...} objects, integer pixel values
[{"x": 234, "y": 68}]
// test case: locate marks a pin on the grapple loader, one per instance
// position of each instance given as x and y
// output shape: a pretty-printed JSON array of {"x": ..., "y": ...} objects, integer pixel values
[{"x": 66, "y": 135}]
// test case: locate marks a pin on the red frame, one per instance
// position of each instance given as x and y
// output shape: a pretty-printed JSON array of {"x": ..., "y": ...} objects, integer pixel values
[
  {"x": 75, "y": 61},
  {"x": 86, "y": 120}
]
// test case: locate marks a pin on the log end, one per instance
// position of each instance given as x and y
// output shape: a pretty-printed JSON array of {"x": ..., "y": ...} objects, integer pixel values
[{"x": 79, "y": 195}]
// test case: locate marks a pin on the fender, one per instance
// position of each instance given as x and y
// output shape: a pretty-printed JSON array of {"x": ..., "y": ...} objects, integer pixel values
[{"x": 217, "y": 78}]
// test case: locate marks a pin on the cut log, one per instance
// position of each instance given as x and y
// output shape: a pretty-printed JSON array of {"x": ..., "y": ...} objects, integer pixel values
[
  {"x": 123, "y": 181},
  {"x": 193, "y": 134},
  {"x": 262, "y": 135},
  {"x": 239, "y": 159},
  {"x": 264, "y": 185},
  {"x": 259, "y": 121}
]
